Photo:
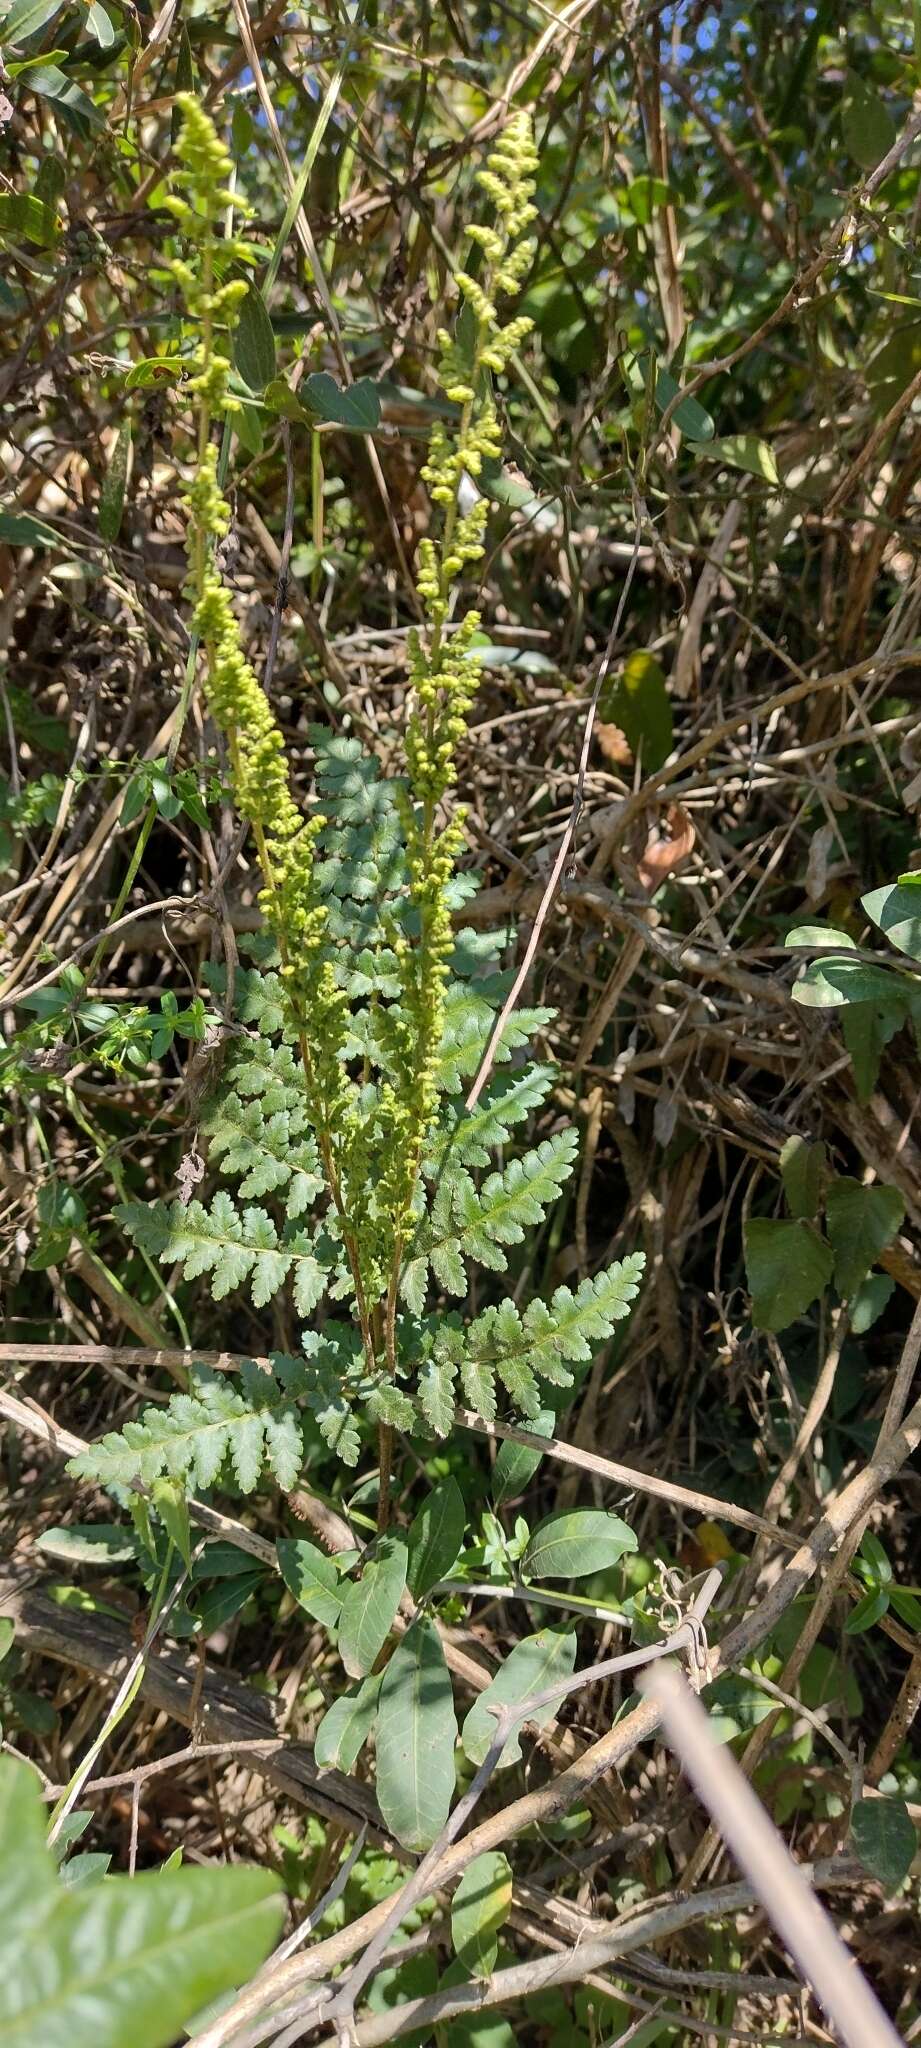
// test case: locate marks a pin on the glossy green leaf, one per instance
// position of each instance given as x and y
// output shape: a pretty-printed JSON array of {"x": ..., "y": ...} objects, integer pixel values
[
  {"x": 254, "y": 341},
  {"x": 832, "y": 982},
  {"x": 896, "y": 910},
  {"x": 21, "y": 530},
  {"x": 26, "y": 17},
  {"x": 416, "y": 1736},
  {"x": 345, "y": 1727},
  {"x": 885, "y": 1838},
  {"x": 312, "y": 1577},
  {"x": 357, "y": 407},
  {"x": 861, "y": 1222},
  {"x": 788, "y": 1265},
  {"x": 132, "y": 1959},
  {"x": 369, "y": 1606},
  {"x": 436, "y": 1537},
  {"x": 479, "y": 1910},
  {"x": 872, "y": 1296},
  {"x": 78, "y": 112},
  {"x": 576, "y": 1542},
  {"x": 803, "y": 1168},
  {"x": 866, "y": 124},
  {"x": 689, "y": 416},
  {"x": 100, "y": 25},
  {"x": 906, "y": 1605},
  {"x": 640, "y": 704},
  {"x": 535, "y": 1663},
  {"x": 112, "y": 495},
  {"x": 819, "y": 935}
]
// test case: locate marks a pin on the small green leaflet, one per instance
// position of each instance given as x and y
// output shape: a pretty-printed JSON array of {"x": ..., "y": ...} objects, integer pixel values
[
  {"x": 479, "y": 1910},
  {"x": 312, "y": 1577},
  {"x": 744, "y": 451},
  {"x": 803, "y": 1168},
  {"x": 689, "y": 417},
  {"x": 896, "y": 910},
  {"x": 536, "y": 1662},
  {"x": 640, "y": 704},
  {"x": 369, "y": 1606},
  {"x": 112, "y": 495},
  {"x": 788, "y": 1265},
  {"x": 416, "y": 1736},
  {"x": 576, "y": 1542},
  {"x": 345, "y": 1728},
  {"x": 866, "y": 124},
  {"x": 254, "y": 341},
  {"x": 436, "y": 1537},
  {"x": 885, "y": 1838},
  {"x": 357, "y": 407},
  {"x": 516, "y": 1464},
  {"x": 861, "y": 1222}
]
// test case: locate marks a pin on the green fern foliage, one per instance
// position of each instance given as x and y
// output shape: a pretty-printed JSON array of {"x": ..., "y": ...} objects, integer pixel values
[
  {"x": 199, "y": 1436},
  {"x": 232, "y": 1245}
]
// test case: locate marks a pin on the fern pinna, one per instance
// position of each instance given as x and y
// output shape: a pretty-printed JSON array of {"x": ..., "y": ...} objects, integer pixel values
[{"x": 353, "y": 1172}]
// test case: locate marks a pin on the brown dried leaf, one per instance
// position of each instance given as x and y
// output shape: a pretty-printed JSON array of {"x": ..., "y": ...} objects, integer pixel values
[{"x": 664, "y": 855}]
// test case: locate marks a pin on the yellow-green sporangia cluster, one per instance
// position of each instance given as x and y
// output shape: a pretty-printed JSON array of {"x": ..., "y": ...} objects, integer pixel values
[
  {"x": 371, "y": 1133},
  {"x": 236, "y": 701},
  {"x": 442, "y": 658}
]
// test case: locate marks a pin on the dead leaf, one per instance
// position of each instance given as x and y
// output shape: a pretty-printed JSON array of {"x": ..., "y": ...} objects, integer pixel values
[
  {"x": 614, "y": 745},
  {"x": 820, "y": 846},
  {"x": 663, "y": 855}
]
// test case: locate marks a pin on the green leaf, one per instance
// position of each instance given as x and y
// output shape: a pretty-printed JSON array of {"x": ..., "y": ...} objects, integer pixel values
[
  {"x": 819, "y": 935},
  {"x": 689, "y": 417},
  {"x": 7, "y": 1633},
  {"x": 830, "y": 983},
  {"x": 132, "y": 1959},
  {"x": 112, "y": 495},
  {"x": 872, "y": 1296},
  {"x": 867, "y": 1612},
  {"x": 861, "y": 1222},
  {"x": 254, "y": 341},
  {"x": 536, "y": 1662},
  {"x": 516, "y": 1464},
  {"x": 576, "y": 1542},
  {"x": 645, "y": 195},
  {"x": 26, "y": 17},
  {"x": 866, "y": 1029},
  {"x": 369, "y": 1606},
  {"x": 100, "y": 25},
  {"x": 479, "y": 1910},
  {"x": 745, "y": 451},
  {"x": 21, "y": 530},
  {"x": 866, "y": 124},
  {"x": 640, "y": 704},
  {"x": 23, "y": 216},
  {"x": 436, "y": 1537},
  {"x": 885, "y": 1838},
  {"x": 802, "y": 1167},
  {"x": 416, "y": 1735},
  {"x": 99, "y": 1543},
  {"x": 896, "y": 910},
  {"x": 788, "y": 1265},
  {"x": 906, "y": 1606},
  {"x": 357, "y": 408},
  {"x": 312, "y": 1577},
  {"x": 76, "y": 109},
  {"x": 345, "y": 1727}
]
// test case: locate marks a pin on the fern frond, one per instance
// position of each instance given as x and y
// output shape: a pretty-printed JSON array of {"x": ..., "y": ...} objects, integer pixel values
[
  {"x": 197, "y": 1433},
  {"x": 231, "y": 1245},
  {"x": 467, "y": 1222},
  {"x": 468, "y": 1023},
  {"x": 516, "y": 1348},
  {"x": 271, "y": 1153},
  {"x": 470, "y": 1139}
]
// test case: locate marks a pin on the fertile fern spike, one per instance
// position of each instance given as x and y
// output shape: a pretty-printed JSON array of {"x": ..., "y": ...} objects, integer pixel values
[{"x": 356, "y": 1172}]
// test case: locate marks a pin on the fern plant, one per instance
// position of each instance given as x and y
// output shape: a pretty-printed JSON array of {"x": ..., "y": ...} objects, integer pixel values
[{"x": 353, "y": 1171}]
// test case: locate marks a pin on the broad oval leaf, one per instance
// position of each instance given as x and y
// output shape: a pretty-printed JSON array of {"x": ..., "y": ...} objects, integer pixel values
[
  {"x": 819, "y": 935},
  {"x": 436, "y": 1537},
  {"x": 516, "y": 1464},
  {"x": 885, "y": 1838},
  {"x": 802, "y": 1167},
  {"x": 640, "y": 705},
  {"x": 479, "y": 1910},
  {"x": 179, "y": 1940},
  {"x": 101, "y": 1543},
  {"x": 745, "y": 451},
  {"x": 312, "y": 1577},
  {"x": 861, "y": 1222},
  {"x": 788, "y": 1265},
  {"x": 254, "y": 341},
  {"x": 345, "y": 1727},
  {"x": 896, "y": 911},
  {"x": 416, "y": 1735},
  {"x": 536, "y": 1662},
  {"x": 576, "y": 1542},
  {"x": 866, "y": 124},
  {"x": 369, "y": 1605},
  {"x": 830, "y": 984}
]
